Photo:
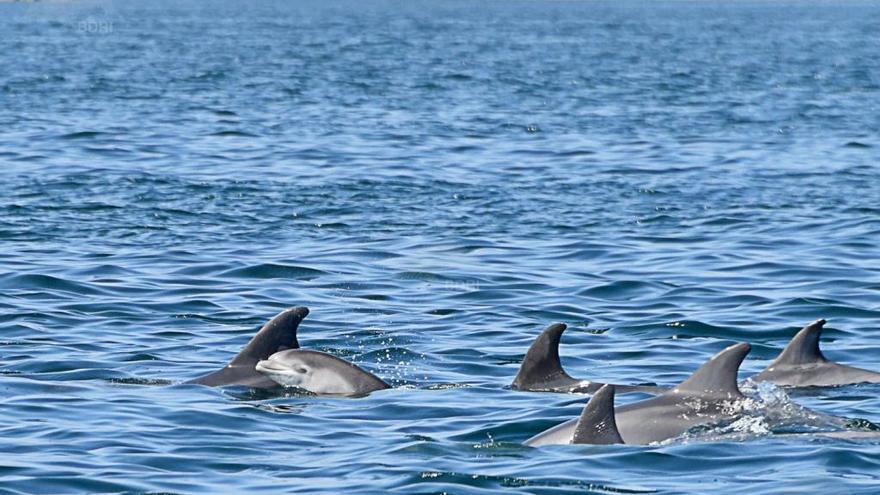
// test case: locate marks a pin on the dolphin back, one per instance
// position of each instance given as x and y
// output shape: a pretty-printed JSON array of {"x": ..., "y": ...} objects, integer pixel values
[
  {"x": 804, "y": 347},
  {"x": 597, "y": 424},
  {"x": 277, "y": 335},
  {"x": 717, "y": 377},
  {"x": 541, "y": 366},
  {"x": 802, "y": 364}
]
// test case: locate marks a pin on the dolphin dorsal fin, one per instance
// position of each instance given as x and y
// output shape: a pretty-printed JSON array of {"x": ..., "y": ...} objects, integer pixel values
[
  {"x": 277, "y": 335},
  {"x": 597, "y": 424},
  {"x": 542, "y": 359},
  {"x": 804, "y": 347},
  {"x": 717, "y": 377}
]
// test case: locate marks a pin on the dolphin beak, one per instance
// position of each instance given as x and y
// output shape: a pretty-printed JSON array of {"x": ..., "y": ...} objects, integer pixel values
[{"x": 267, "y": 365}]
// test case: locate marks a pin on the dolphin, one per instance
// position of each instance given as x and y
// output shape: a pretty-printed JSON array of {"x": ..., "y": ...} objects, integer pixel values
[
  {"x": 276, "y": 335},
  {"x": 541, "y": 370},
  {"x": 802, "y": 364},
  {"x": 319, "y": 373},
  {"x": 709, "y": 396},
  {"x": 597, "y": 424}
]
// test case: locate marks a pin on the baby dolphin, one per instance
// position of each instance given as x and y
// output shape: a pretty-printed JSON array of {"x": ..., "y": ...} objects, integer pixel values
[
  {"x": 319, "y": 373},
  {"x": 276, "y": 335},
  {"x": 541, "y": 370},
  {"x": 802, "y": 364},
  {"x": 709, "y": 396}
]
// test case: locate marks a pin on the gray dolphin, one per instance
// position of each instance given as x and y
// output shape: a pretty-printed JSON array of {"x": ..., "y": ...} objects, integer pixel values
[
  {"x": 319, "y": 373},
  {"x": 541, "y": 370},
  {"x": 709, "y": 396},
  {"x": 276, "y": 335},
  {"x": 597, "y": 424},
  {"x": 801, "y": 364}
]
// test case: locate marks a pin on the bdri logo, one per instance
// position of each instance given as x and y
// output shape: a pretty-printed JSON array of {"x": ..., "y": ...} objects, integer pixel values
[
  {"x": 462, "y": 285},
  {"x": 92, "y": 26}
]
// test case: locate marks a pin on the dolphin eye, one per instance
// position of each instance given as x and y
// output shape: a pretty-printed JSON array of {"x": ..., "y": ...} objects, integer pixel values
[{"x": 302, "y": 370}]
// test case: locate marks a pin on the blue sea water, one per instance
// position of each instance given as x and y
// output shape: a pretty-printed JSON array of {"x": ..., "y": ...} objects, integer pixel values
[{"x": 437, "y": 181}]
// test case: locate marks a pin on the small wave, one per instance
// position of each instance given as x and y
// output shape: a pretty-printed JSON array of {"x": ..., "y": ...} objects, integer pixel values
[
  {"x": 273, "y": 271},
  {"x": 105, "y": 270},
  {"x": 153, "y": 382},
  {"x": 723, "y": 221},
  {"x": 441, "y": 481},
  {"x": 625, "y": 289},
  {"x": 47, "y": 282},
  {"x": 233, "y": 134},
  {"x": 82, "y": 135}
]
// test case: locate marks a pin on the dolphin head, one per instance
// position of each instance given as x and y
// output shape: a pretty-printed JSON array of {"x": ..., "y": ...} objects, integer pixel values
[
  {"x": 315, "y": 371},
  {"x": 291, "y": 368}
]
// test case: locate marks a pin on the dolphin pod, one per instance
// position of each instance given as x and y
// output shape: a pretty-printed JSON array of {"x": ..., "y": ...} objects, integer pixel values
[
  {"x": 800, "y": 364},
  {"x": 709, "y": 396}
]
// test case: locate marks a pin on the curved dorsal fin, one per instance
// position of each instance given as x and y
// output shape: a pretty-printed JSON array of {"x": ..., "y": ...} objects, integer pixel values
[
  {"x": 278, "y": 334},
  {"x": 597, "y": 424},
  {"x": 804, "y": 347},
  {"x": 542, "y": 359},
  {"x": 717, "y": 377}
]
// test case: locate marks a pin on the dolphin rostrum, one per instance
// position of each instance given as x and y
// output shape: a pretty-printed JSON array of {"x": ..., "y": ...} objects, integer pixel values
[
  {"x": 802, "y": 364},
  {"x": 319, "y": 373},
  {"x": 276, "y": 335},
  {"x": 709, "y": 396},
  {"x": 541, "y": 370}
]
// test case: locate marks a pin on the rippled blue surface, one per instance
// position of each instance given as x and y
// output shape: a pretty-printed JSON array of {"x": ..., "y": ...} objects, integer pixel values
[{"x": 437, "y": 181}]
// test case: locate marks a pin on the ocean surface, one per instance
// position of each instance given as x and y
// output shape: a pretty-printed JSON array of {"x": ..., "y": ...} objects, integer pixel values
[{"x": 437, "y": 181}]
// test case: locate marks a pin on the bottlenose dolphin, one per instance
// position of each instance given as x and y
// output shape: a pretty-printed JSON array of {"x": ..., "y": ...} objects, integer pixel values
[
  {"x": 276, "y": 335},
  {"x": 709, "y": 396},
  {"x": 541, "y": 370},
  {"x": 597, "y": 424},
  {"x": 319, "y": 373},
  {"x": 801, "y": 364}
]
